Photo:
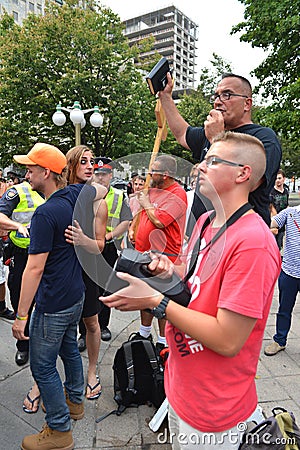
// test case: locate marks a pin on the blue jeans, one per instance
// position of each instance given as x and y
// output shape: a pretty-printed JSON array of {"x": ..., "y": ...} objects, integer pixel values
[
  {"x": 53, "y": 335},
  {"x": 288, "y": 290}
]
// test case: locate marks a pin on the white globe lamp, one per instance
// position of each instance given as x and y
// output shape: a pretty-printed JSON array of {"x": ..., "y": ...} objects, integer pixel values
[
  {"x": 96, "y": 120},
  {"x": 76, "y": 115},
  {"x": 58, "y": 117}
]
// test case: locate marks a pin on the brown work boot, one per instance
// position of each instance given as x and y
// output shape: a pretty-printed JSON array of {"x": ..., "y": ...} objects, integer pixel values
[
  {"x": 76, "y": 409},
  {"x": 49, "y": 439}
]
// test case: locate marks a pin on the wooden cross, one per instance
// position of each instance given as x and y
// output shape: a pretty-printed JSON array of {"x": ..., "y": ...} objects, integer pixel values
[{"x": 161, "y": 135}]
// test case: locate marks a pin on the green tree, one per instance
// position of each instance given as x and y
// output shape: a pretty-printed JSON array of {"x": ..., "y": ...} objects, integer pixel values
[
  {"x": 209, "y": 75},
  {"x": 66, "y": 55},
  {"x": 274, "y": 26}
]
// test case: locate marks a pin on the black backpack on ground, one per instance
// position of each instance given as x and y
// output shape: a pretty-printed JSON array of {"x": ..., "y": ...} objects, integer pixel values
[{"x": 138, "y": 374}]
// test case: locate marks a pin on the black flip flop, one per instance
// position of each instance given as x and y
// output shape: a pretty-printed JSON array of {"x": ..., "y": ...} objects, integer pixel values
[
  {"x": 94, "y": 397},
  {"x": 30, "y": 411}
]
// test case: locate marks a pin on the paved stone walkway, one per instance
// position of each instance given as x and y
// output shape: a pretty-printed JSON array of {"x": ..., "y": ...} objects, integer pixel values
[{"x": 278, "y": 383}]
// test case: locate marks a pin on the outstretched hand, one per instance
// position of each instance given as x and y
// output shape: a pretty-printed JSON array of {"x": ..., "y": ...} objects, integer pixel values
[{"x": 136, "y": 296}]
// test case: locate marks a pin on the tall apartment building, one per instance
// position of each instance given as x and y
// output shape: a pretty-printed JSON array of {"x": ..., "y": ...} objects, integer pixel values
[
  {"x": 175, "y": 35},
  {"x": 21, "y": 8},
  {"x": 175, "y": 38}
]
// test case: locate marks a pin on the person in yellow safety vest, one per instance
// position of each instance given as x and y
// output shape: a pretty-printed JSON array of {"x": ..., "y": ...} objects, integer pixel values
[
  {"x": 29, "y": 201},
  {"x": 16, "y": 209},
  {"x": 119, "y": 217},
  {"x": 114, "y": 200}
]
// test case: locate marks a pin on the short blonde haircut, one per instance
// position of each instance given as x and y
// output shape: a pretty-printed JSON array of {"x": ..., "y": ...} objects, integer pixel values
[{"x": 246, "y": 150}]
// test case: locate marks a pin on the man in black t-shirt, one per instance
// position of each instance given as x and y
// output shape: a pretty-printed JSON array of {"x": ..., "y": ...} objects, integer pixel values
[
  {"x": 232, "y": 102},
  {"x": 279, "y": 200}
]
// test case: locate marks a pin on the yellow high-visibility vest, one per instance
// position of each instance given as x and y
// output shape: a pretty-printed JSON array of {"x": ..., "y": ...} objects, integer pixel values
[
  {"x": 29, "y": 201},
  {"x": 114, "y": 200}
]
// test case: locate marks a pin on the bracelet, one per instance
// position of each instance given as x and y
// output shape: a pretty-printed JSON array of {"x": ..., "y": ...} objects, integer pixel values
[{"x": 21, "y": 318}]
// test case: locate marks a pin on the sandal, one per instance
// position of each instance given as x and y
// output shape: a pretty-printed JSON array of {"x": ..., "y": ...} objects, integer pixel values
[
  {"x": 32, "y": 401},
  {"x": 92, "y": 388}
]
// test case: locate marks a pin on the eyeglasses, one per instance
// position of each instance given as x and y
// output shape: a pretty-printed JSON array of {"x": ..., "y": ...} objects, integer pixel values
[
  {"x": 214, "y": 160},
  {"x": 152, "y": 171},
  {"x": 224, "y": 96},
  {"x": 84, "y": 161}
]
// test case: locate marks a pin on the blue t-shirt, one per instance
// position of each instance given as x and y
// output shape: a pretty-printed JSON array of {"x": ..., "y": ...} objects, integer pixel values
[
  {"x": 199, "y": 144},
  {"x": 61, "y": 285}
]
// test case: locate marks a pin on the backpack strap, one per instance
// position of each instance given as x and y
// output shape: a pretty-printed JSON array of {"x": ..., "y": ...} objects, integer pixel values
[
  {"x": 151, "y": 355},
  {"x": 129, "y": 361},
  {"x": 129, "y": 366}
]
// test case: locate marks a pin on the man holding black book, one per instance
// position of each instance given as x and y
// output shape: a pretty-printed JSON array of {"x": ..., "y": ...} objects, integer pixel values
[{"x": 232, "y": 102}]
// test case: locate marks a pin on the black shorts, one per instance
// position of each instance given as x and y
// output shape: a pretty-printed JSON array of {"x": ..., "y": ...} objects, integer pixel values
[{"x": 92, "y": 305}]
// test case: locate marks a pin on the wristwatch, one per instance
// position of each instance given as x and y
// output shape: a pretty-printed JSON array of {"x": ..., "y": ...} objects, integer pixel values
[{"x": 160, "y": 310}]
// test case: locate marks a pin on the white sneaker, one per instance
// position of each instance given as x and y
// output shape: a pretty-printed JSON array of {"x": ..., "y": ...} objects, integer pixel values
[{"x": 272, "y": 349}]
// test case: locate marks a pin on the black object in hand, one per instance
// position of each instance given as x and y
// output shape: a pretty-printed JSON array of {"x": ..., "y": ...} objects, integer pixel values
[
  {"x": 157, "y": 78},
  {"x": 136, "y": 263}
]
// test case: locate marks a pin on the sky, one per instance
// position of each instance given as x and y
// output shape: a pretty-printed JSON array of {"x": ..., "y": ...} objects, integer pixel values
[{"x": 215, "y": 19}]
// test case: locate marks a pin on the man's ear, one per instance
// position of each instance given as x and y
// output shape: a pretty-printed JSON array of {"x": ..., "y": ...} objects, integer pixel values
[
  {"x": 47, "y": 173},
  {"x": 248, "y": 104},
  {"x": 244, "y": 174}
]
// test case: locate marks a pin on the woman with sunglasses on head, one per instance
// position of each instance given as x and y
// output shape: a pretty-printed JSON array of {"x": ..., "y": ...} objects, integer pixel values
[{"x": 89, "y": 241}]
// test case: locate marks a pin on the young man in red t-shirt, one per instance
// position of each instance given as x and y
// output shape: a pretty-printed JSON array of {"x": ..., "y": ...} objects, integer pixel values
[{"x": 214, "y": 343}]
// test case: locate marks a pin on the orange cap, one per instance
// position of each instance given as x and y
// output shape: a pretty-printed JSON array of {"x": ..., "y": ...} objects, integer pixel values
[{"x": 44, "y": 155}]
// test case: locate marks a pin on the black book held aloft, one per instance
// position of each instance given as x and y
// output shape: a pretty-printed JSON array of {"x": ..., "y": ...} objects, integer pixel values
[{"x": 157, "y": 78}]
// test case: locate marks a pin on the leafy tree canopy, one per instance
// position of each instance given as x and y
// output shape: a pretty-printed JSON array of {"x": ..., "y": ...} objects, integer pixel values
[
  {"x": 274, "y": 26},
  {"x": 72, "y": 54}
]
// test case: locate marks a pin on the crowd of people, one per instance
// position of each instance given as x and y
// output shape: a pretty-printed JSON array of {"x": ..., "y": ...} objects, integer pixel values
[{"x": 67, "y": 225}]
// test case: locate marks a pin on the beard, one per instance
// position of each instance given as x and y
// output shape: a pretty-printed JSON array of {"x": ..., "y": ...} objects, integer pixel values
[{"x": 158, "y": 183}]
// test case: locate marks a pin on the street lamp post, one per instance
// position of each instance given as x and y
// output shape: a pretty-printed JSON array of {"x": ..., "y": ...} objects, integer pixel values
[{"x": 77, "y": 117}]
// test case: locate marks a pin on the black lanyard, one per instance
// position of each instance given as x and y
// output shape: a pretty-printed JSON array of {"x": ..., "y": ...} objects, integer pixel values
[{"x": 233, "y": 218}]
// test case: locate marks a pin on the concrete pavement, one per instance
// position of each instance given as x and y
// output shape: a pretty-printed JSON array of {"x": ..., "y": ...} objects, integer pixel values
[{"x": 278, "y": 384}]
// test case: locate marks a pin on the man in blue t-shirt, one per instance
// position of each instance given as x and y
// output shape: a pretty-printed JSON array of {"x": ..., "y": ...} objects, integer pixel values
[
  {"x": 53, "y": 279},
  {"x": 232, "y": 103}
]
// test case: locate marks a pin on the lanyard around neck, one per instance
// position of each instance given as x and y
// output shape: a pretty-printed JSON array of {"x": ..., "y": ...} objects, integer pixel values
[{"x": 233, "y": 218}]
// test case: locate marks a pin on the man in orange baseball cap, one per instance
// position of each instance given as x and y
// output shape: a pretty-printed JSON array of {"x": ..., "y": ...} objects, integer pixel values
[
  {"x": 53, "y": 279},
  {"x": 44, "y": 155}
]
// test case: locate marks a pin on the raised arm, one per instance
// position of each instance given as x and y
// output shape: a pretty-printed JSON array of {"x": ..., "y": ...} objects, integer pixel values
[{"x": 176, "y": 123}]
